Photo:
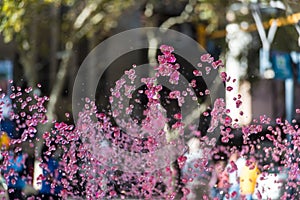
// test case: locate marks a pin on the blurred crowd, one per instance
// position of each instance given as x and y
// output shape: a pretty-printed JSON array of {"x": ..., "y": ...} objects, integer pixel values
[
  {"x": 17, "y": 173},
  {"x": 224, "y": 173},
  {"x": 233, "y": 178},
  {"x": 231, "y": 173}
]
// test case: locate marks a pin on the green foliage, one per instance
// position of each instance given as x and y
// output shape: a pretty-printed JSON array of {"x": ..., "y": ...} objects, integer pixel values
[
  {"x": 17, "y": 15},
  {"x": 11, "y": 18}
]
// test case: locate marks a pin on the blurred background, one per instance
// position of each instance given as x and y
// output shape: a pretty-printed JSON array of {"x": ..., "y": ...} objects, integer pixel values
[
  {"x": 258, "y": 40},
  {"x": 44, "y": 42}
]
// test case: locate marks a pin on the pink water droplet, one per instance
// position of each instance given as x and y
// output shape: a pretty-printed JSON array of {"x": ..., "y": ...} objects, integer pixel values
[
  {"x": 207, "y": 69},
  {"x": 11, "y": 190},
  {"x": 165, "y": 49},
  {"x": 174, "y": 78},
  {"x": 233, "y": 194},
  {"x": 178, "y": 116},
  {"x": 181, "y": 161},
  {"x": 205, "y": 113},
  {"x": 199, "y": 65},
  {"x": 197, "y": 72},
  {"x": 229, "y": 88},
  {"x": 223, "y": 76},
  {"x": 217, "y": 64},
  {"x": 258, "y": 194},
  {"x": 238, "y": 103},
  {"x": 193, "y": 83},
  {"x": 13, "y": 96},
  {"x": 206, "y": 58},
  {"x": 28, "y": 90},
  {"x": 185, "y": 191}
]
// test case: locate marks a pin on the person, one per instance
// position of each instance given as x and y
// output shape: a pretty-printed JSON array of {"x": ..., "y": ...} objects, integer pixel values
[
  {"x": 219, "y": 182},
  {"x": 51, "y": 186},
  {"x": 248, "y": 176},
  {"x": 13, "y": 172},
  {"x": 4, "y": 144},
  {"x": 4, "y": 141},
  {"x": 6, "y": 109},
  {"x": 6, "y": 124},
  {"x": 194, "y": 170},
  {"x": 234, "y": 167}
]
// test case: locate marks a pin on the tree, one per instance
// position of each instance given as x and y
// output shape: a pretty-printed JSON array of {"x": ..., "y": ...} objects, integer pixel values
[{"x": 60, "y": 23}]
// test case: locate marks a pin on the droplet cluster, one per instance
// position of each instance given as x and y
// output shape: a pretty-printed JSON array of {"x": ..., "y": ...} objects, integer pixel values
[{"x": 114, "y": 155}]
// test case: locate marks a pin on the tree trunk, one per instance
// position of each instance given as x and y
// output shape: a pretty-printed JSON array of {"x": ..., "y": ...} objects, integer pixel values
[
  {"x": 54, "y": 96},
  {"x": 28, "y": 57},
  {"x": 54, "y": 35}
]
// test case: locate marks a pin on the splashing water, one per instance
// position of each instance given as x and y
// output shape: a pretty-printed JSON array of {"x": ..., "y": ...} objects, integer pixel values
[{"x": 126, "y": 157}]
